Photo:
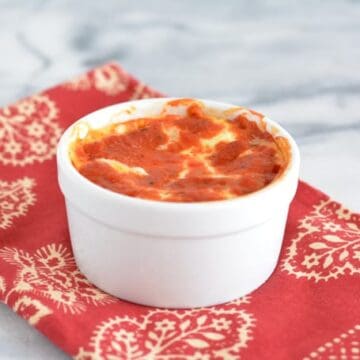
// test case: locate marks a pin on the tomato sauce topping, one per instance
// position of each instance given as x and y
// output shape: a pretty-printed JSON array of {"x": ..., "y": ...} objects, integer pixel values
[{"x": 182, "y": 158}]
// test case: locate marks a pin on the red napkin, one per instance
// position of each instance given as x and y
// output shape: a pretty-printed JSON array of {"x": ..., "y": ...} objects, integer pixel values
[{"x": 308, "y": 309}]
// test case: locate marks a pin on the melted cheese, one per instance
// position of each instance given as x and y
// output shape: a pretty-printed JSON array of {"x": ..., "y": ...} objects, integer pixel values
[{"x": 195, "y": 157}]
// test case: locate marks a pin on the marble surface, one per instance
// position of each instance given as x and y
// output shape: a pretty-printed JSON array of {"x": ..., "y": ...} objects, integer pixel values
[{"x": 298, "y": 62}]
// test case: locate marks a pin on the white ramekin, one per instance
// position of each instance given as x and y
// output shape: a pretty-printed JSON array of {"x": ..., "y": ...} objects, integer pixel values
[{"x": 174, "y": 255}]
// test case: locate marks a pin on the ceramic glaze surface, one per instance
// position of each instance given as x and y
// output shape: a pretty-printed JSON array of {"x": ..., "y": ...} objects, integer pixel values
[{"x": 176, "y": 244}]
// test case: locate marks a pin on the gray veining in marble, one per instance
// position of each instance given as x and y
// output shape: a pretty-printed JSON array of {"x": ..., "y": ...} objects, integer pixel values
[{"x": 298, "y": 62}]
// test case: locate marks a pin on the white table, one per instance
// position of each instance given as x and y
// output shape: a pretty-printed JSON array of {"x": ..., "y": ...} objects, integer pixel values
[{"x": 299, "y": 64}]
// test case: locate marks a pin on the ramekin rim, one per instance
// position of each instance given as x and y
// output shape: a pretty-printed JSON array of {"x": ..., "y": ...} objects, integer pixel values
[{"x": 64, "y": 161}]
